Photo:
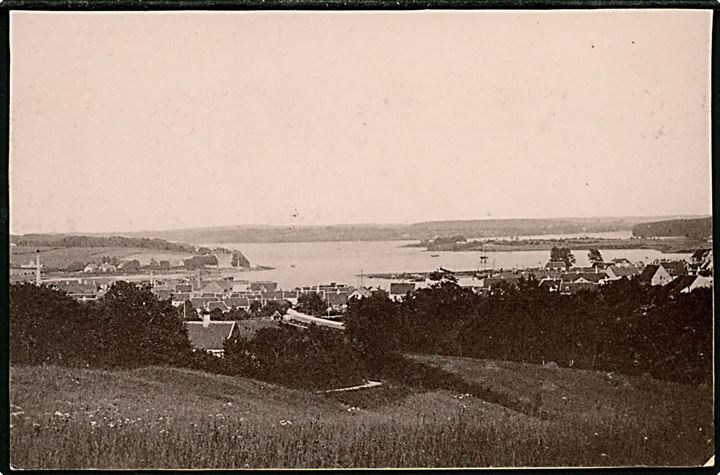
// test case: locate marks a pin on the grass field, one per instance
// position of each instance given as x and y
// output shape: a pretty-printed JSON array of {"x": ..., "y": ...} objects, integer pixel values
[{"x": 174, "y": 418}]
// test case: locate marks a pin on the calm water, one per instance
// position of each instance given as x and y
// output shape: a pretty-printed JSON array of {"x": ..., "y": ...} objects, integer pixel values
[{"x": 311, "y": 263}]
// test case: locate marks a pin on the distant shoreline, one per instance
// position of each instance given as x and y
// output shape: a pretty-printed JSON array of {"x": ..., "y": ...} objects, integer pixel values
[
  {"x": 172, "y": 274},
  {"x": 475, "y": 228},
  {"x": 668, "y": 245}
]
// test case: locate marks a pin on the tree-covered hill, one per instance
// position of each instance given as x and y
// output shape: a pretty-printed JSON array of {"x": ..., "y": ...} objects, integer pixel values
[
  {"x": 698, "y": 228},
  {"x": 61, "y": 240}
]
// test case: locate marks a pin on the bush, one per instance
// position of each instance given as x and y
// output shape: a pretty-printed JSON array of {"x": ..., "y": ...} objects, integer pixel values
[
  {"x": 128, "y": 327},
  {"x": 48, "y": 326},
  {"x": 196, "y": 262},
  {"x": 313, "y": 358},
  {"x": 624, "y": 327}
]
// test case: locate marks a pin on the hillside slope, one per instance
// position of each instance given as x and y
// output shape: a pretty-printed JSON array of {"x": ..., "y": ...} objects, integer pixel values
[
  {"x": 699, "y": 228},
  {"x": 174, "y": 418},
  {"x": 415, "y": 231}
]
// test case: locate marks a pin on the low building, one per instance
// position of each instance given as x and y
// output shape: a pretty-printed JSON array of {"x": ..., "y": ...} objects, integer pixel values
[
  {"x": 237, "y": 302},
  {"x": 19, "y": 274},
  {"x": 700, "y": 255},
  {"x": 106, "y": 267},
  {"x": 337, "y": 298},
  {"x": 494, "y": 281},
  {"x": 217, "y": 305},
  {"x": 675, "y": 268},
  {"x": 271, "y": 295},
  {"x": 654, "y": 274},
  {"x": 90, "y": 268},
  {"x": 209, "y": 335},
  {"x": 701, "y": 262},
  {"x": 32, "y": 265},
  {"x": 78, "y": 289},
  {"x": 212, "y": 289},
  {"x": 401, "y": 289},
  {"x": 263, "y": 286},
  {"x": 183, "y": 287},
  {"x": 616, "y": 272},
  {"x": 201, "y": 302},
  {"x": 291, "y": 296},
  {"x": 699, "y": 282},
  {"x": 362, "y": 293},
  {"x": 551, "y": 285},
  {"x": 556, "y": 265},
  {"x": 162, "y": 294},
  {"x": 546, "y": 273},
  {"x": 180, "y": 297},
  {"x": 584, "y": 277},
  {"x": 568, "y": 288},
  {"x": 296, "y": 318}
]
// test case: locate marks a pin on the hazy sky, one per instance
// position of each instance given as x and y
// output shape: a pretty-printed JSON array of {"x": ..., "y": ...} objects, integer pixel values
[{"x": 136, "y": 121}]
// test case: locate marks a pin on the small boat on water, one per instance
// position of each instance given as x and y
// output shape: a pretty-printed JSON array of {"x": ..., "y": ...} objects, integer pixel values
[
  {"x": 292, "y": 265},
  {"x": 434, "y": 255}
]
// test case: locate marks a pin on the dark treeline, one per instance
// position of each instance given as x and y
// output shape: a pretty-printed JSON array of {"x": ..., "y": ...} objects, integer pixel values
[
  {"x": 127, "y": 327},
  {"x": 623, "y": 327},
  {"x": 382, "y": 232},
  {"x": 321, "y": 358},
  {"x": 198, "y": 262},
  {"x": 699, "y": 228},
  {"x": 317, "y": 357},
  {"x": 44, "y": 240}
]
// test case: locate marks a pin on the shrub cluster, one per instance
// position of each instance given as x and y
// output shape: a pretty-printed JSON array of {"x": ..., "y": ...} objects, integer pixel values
[
  {"x": 314, "y": 358},
  {"x": 46, "y": 240},
  {"x": 623, "y": 327},
  {"x": 196, "y": 262},
  {"x": 127, "y": 327}
]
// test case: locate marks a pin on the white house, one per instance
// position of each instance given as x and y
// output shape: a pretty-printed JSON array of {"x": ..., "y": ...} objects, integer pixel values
[{"x": 655, "y": 274}]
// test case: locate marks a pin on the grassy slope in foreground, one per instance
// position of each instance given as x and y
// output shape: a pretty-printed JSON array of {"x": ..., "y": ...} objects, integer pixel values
[{"x": 174, "y": 418}]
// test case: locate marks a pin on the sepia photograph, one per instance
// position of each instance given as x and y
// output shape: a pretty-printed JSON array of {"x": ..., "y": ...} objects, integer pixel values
[{"x": 360, "y": 239}]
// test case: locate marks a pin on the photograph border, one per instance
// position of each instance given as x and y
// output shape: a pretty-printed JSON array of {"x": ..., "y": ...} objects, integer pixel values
[{"x": 334, "y": 5}]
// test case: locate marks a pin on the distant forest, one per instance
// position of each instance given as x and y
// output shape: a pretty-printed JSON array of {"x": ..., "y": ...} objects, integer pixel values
[
  {"x": 387, "y": 232},
  {"x": 700, "y": 228},
  {"x": 47, "y": 240}
]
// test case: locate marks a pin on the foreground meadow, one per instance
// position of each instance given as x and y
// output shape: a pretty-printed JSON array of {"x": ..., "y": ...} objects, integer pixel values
[{"x": 174, "y": 418}]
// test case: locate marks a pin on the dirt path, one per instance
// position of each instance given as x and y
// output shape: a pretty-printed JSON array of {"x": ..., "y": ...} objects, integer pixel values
[{"x": 369, "y": 384}]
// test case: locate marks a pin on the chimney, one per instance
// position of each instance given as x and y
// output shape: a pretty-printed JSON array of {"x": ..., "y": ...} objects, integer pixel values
[
  {"x": 37, "y": 267},
  {"x": 206, "y": 320}
]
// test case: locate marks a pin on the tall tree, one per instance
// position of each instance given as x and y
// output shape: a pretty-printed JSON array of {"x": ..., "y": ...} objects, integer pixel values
[
  {"x": 239, "y": 260},
  {"x": 594, "y": 256},
  {"x": 75, "y": 266},
  {"x": 311, "y": 304},
  {"x": 562, "y": 254},
  {"x": 137, "y": 329}
]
